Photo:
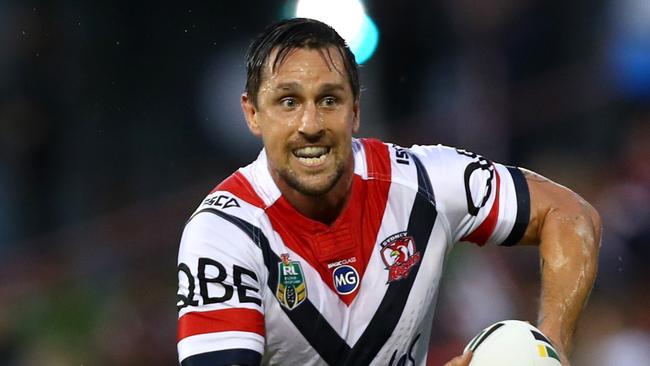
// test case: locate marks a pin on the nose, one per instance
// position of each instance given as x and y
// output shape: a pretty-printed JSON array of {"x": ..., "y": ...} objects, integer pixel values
[{"x": 311, "y": 123}]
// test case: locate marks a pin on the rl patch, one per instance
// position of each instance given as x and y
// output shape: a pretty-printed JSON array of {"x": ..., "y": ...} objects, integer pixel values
[
  {"x": 291, "y": 290},
  {"x": 399, "y": 254}
]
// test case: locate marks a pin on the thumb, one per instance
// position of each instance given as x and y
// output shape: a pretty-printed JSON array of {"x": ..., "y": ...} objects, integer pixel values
[{"x": 462, "y": 360}]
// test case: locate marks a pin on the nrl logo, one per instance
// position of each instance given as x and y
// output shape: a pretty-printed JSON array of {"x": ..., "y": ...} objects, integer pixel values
[
  {"x": 399, "y": 254},
  {"x": 291, "y": 290}
]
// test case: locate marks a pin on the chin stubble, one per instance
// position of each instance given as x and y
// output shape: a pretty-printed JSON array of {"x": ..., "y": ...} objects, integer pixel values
[{"x": 290, "y": 177}]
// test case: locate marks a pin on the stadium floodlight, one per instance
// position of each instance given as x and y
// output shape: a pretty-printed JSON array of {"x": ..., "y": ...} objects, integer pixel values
[{"x": 350, "y": 20}]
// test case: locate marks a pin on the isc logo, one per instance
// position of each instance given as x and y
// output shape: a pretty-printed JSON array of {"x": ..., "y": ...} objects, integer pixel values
[
  {"x": 346, "y": 279},
  {"x": 221, "y": 201}
]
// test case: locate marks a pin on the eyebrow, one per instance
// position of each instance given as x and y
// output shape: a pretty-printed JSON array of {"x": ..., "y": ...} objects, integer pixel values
[
  {"x": 288, "y": 86},
  {"x": 325, "y": 88},
  {"x": 331, "y": 87}
]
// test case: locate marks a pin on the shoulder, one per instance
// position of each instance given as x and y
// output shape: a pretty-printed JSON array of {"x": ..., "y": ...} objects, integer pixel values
[
  {"x": 245, "y": 194},
  {"x": 226, "y": 221},
  {"x": 233, "y": 201},
  {"x": 409, "y": 166},
  {"x": 429, "y": 156},
  {"x": 441, "y": 156}
]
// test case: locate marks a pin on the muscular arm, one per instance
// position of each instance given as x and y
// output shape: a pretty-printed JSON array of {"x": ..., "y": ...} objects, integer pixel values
[{"x": 567, "y": 230}]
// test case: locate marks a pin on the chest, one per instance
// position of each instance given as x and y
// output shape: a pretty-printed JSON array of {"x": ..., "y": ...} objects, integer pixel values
[{"x": 360, "y": 294}]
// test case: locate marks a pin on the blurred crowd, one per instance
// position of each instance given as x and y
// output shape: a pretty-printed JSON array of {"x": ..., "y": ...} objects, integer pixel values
[{"x": 116, "y": 118}]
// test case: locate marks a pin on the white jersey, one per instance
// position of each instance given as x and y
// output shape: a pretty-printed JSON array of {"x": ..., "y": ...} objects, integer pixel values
[{"x": 261, "y": 284}]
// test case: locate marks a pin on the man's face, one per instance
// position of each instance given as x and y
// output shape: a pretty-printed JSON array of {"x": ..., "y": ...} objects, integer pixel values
[{"x": 306, "y": 114}]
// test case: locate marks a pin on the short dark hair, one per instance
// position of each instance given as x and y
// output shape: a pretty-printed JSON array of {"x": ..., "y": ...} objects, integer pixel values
[{"x": 290, "y": 34}]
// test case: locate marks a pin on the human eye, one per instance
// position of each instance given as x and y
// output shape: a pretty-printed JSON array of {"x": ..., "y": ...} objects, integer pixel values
[
  {"x": 288, "y": 102},
  {"x": 329, "y": 101}
]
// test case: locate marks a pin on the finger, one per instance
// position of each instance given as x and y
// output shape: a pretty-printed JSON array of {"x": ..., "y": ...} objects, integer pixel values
[{"x": 462, "y": 360}]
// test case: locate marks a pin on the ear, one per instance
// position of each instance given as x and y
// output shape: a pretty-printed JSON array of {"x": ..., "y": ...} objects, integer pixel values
[
  {"x": 356, "y": 121},
  {"x": 250, "y": 113}
]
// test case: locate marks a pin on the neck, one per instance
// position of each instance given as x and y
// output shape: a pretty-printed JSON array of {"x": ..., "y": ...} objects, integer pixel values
[{"x": 325, "y": 209}]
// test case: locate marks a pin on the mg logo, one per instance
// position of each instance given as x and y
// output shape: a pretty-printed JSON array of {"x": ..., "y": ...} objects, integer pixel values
[{"x": 346, "y": 279}]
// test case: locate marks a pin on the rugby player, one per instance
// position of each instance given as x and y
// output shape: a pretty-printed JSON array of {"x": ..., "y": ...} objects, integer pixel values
[{"x": 328, "y": 249}]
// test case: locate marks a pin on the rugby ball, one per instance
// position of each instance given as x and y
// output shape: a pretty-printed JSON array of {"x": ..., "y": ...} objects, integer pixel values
[{"x": 512, "y": 343}]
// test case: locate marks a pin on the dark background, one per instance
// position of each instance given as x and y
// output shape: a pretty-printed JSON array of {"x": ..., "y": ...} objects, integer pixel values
[{"x": 116, "y": 118}]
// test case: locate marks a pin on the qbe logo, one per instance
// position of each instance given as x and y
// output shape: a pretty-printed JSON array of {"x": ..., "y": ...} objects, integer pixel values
[{"x": 346, "y": 279}]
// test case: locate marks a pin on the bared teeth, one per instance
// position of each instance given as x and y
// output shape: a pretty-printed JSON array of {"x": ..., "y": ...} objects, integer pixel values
[
  {"x": 311, "y": 152},
  {"x": 313, "y": 161},
  {"x": 311, "y": 155}
]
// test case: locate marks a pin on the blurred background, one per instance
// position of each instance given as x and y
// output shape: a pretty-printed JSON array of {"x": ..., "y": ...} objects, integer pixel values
[{"x": 117, "y": 118}]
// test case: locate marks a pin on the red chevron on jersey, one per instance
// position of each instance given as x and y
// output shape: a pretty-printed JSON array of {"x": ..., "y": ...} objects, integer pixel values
[
  {"x": 321, "y": 244},
  {"x": 259, "y": 283}
]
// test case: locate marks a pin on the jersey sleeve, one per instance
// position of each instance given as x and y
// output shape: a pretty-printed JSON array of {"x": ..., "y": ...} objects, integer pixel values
[
  {"x": 483, "y": 202},
  {"x": 220, "y": 277}
]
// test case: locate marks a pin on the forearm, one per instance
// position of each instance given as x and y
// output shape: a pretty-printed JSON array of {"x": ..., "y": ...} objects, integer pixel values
[{"x": 569, "y": 245}]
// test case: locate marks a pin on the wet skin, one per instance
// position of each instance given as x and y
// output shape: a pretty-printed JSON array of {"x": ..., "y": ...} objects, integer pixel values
[{"x": 306, "y": 114}]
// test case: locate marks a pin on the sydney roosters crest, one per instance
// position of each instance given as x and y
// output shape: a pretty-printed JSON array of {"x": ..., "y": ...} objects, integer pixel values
[{"x": 399, "y": 254}]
